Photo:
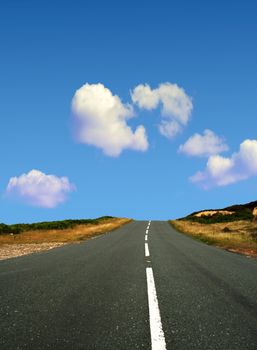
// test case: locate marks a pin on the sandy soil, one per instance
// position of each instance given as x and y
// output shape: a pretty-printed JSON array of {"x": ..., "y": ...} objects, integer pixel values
[
  {"x": 8, "y": 251},
  {"x": 212, "y": 212}
]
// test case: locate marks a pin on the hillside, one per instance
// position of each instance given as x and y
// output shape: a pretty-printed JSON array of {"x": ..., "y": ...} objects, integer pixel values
[
  {"x": 228, "y": 214},
  {"x": 22, "y": 239},
  {"x": 233, "y": 228},
  {"x": 49, "y": 225}
]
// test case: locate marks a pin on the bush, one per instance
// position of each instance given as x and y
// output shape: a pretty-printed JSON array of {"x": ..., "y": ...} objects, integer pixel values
[{"x": 226, "y": 229}]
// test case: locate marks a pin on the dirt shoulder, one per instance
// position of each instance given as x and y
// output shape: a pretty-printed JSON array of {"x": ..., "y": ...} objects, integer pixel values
[
  {"x": 237, "y": 236},
  {"x": 40, "y": 240}
]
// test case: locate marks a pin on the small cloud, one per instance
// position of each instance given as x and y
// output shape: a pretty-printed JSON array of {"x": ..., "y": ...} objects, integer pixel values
[
  {"x": 176, "y": 105},
  {"x": 203, "y": 145},
  {"x": 38, "y": 189},
  {"x": 222, "y": 171},
  {"x": 101, "y": 120},
  {"x": 169, "y": 128}
]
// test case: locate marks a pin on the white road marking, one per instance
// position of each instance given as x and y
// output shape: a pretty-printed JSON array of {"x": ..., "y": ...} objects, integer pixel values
[
  {"x": 146, "y": 250},
  {"x": 146, "y": 231},
  {"x": 157, "y": 335},
  {"x": 146, "y": 237}
]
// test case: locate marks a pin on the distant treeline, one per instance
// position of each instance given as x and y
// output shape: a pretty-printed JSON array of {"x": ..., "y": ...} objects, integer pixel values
[
  {"x": 48, "y": 225},
  {"x": 242, "y": 214}
]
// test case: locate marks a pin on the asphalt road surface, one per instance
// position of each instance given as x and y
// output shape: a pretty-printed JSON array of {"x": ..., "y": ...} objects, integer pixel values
[{"x": 143, "y": 286}]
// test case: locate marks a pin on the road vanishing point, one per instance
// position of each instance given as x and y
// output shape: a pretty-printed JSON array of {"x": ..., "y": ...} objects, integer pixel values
[{"x": 143, "y": 286}]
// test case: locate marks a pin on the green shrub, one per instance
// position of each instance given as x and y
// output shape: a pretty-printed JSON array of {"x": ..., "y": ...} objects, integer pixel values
[{"x": 226, "y": 229}]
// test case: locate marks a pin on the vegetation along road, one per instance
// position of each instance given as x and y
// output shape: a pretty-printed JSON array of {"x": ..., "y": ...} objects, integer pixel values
[{"x": 143, "y": 286}]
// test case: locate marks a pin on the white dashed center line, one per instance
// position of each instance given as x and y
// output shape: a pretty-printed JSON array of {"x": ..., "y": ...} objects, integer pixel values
[
  {"x": 146, "y": 250},
  {"x": 157, "y": 335}
]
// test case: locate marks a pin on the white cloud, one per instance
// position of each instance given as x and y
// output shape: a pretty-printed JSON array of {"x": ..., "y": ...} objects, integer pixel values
[
  {"x": 145, "y": 97},
  {"x": 222, "y": 171},
  {"x": 101, "y": 121},
  {"x": 169, "y": 128},
  {"x": 176, "y": 105},
  {"x": 203, "y": 145},
  {"x": 39, "y": 189}
]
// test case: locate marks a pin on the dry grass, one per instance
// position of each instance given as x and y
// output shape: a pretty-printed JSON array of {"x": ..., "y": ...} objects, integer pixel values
[
  {"x": 34, "y": 241},
  {"x": 236, "y": 236}
]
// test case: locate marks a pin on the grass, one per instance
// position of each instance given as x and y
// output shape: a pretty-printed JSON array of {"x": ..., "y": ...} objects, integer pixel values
[
  {"x": 237, "y": 236},
  {"x": 75, "y": 232}
]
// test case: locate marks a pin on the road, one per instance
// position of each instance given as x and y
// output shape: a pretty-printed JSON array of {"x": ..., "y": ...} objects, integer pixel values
[{"x": 107, "y": 293}]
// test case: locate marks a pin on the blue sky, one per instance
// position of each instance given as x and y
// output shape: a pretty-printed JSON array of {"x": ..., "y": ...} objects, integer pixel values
[{"x": 51, "y": 49}]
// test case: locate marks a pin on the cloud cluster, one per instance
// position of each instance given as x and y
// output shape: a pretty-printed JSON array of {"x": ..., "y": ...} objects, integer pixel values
[
  {"x": 222, "y": 171},
  {"x": 101, "y": 121},
  {"x": 176, "y": 105},
  {"x": 203, "y": 145},
  {"x": 38, "y": 189}
]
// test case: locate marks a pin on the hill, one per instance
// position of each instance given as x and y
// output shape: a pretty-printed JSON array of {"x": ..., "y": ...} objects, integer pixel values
[
  {"x": 233, "y": 228},
  {"x": 22, "y": 239},
  {"x": 232, "y": 213},
  {"x": 49, "y": 225}
]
